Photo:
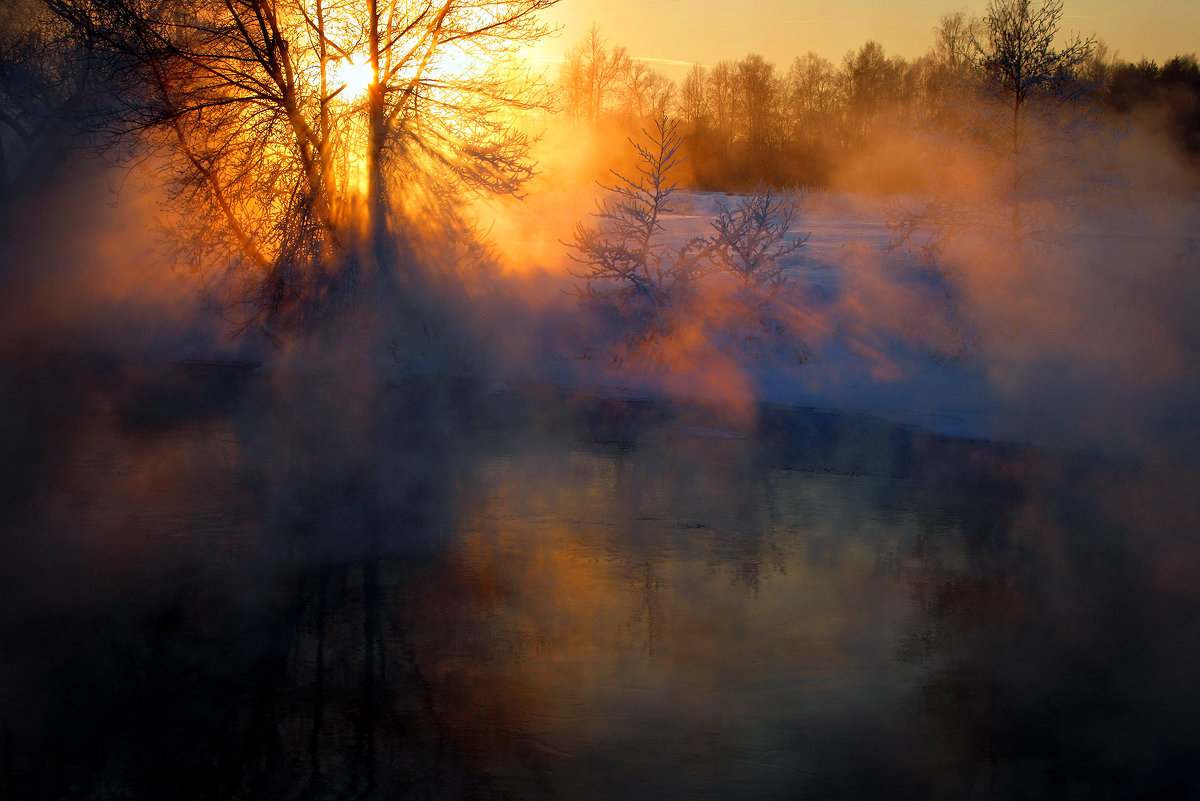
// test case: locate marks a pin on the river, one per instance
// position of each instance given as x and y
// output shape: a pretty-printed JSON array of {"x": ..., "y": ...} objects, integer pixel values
[{"x": 218, "y": 587}]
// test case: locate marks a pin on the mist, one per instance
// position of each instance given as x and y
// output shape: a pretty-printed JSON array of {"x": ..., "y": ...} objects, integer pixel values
[
  {"x": 904, "y": 301},
  {"x": 828, "y": 444},
  {"x": 1086, "y": 342}
]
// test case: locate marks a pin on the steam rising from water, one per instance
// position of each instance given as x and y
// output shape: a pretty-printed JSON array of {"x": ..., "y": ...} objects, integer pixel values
[
  {"x": 1085, "y": 341},
  {"x": 1090, "y": 342},
  {"x": 341, "y": 578},
  {"x": 316, "y": 587}
]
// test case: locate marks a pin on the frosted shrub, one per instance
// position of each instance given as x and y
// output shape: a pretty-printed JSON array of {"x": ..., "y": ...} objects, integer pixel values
[
  {"x": 627, "y": 264},
  {"x": 624, "y": 258},
  {"x": 751, "y": 242},
  {"x": 751, "y": 245}
]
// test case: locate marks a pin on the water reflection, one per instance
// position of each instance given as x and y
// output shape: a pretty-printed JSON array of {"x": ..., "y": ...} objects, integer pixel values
[{"x": 451, "y": 593}]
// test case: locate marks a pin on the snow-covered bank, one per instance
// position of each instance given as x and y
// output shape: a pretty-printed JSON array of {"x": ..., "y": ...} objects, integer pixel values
[{"x": 1088, "y": 344}]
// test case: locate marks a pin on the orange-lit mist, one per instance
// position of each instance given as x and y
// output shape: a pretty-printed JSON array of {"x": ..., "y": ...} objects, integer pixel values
[
  {"x": 1055, "y": 342},
  {"x": 89, "y": 267},
  {"x": 1061, "y": 342}
]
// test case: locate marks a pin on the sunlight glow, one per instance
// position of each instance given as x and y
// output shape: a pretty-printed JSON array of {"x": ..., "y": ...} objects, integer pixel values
[{"x": 355, "y": 78}]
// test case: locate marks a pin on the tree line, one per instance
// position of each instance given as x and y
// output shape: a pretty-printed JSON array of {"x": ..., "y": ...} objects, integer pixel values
[{"x": 747, "y": 122}]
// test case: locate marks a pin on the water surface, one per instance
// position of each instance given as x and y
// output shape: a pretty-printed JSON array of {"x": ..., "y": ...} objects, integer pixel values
[{"x": 219, "y": 586}]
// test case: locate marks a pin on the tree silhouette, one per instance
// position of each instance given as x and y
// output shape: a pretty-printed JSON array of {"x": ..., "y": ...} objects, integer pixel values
[
  {"x": 1024, "y": 131},
  {"x": 750, "y": 241},
  {"x": 954, "y": 39},
  {"x": 591, "y": 76},
  {"x": 646, "y": 93},
  {"x": 690, "y": 102},
  {"x": 1019, "y": 68},
  {"x": 623, "y": 256},
  {"x": 871, "y": 83},
  {"x": 310, "y": 138},
  {"x": 1016, "y": 60}
]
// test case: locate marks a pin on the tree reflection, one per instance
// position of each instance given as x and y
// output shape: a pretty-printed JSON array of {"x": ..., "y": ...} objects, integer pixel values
[
  {"x": 634, "y": 606},
  {"x": 1049, "y": 674}
]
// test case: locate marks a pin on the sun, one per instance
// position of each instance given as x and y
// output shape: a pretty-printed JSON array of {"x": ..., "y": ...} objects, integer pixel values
[{"x": 353, "y": 78}]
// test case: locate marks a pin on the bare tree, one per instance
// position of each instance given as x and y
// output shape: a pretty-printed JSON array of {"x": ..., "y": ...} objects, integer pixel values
[
  {"x": 721, "y": 99},
  {"x": 949, "y": 80},
  {"x": 308, "y": 138},
  {"x": 871, "y": 86},
  {"x": 592, "y": 75},
  {"x": 758, "y": 91},
  {"x": 753, "y": 244},
  {"x": 954, "y": 40},
  {"x": 628, "y": 262},
  {"x": 751, "y": 241},
  {"x": 1025, "y": 128},
  {"x": 623, "y": 256},
  {"x": 1019, "y": 68},
  {"x": 691, "y": 107},
  {"x": 646, "y": 93},
  {"x": 1016, "y": 60},
  {"x": 813, "y": 94},
  {"x": 813, "y": 116}
]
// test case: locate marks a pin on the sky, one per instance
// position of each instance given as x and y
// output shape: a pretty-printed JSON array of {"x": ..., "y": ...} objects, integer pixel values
[{"x": 672, "y": 34}]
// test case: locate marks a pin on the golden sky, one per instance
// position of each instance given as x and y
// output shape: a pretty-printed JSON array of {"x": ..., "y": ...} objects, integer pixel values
[{"x": 676, "y": 33}]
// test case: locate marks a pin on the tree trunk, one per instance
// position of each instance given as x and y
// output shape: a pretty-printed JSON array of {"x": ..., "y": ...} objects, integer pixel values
[
  {"x": 386, "y": 252},
  {"x": 376, "y": 223}
]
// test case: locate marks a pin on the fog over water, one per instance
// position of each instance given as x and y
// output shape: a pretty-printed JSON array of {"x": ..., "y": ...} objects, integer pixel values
[
  {"x": 949, "y": 553},
  {"x": 222, "y": 583}
]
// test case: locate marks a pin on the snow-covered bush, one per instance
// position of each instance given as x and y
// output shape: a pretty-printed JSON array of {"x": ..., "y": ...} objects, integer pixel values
[{"x": 751, "y": 244}]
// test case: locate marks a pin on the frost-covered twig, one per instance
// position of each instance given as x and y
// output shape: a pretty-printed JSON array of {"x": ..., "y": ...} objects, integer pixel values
[
  {"x": 621, "y": 255},
  {"x": 751, "y": 242}
]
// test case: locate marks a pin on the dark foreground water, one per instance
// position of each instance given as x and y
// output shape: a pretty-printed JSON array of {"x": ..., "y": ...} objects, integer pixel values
[{"x": 218, "y": 585}]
